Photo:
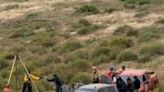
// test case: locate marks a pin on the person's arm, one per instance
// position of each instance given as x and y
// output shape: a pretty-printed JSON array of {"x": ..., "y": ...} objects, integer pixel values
[
  {"x": 50, "y": 80},
  {"x": 35, "y": 77},
  {"x": 25, "y": 78}
]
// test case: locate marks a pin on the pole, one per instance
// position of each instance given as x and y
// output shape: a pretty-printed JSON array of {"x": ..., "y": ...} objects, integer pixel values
[
  {"x": 11, "y": 72},
  {"x": 16, "y": 74}
]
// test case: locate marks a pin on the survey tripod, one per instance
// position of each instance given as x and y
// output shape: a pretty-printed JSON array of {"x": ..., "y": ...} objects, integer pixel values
[{"x": 17, "y": 59}]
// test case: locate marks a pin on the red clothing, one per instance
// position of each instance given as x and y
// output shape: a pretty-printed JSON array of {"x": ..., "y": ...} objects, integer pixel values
[
  {"x": 6, "y": 89},
  {"x": 110, "y": 73}
]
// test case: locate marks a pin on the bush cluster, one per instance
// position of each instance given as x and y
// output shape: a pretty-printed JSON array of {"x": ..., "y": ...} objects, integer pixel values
[
  {"x": 125, "y": 30},
  {"x": 83, "y": 27},
  {"x": 127, "y": 55},
  {"x": 152, "y": 49},
  {"x": 87, "y": 9}
]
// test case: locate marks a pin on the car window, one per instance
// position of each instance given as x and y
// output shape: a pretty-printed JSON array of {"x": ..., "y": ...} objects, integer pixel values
[
  {"x": 107, "y": 89},
  {"x": 85, "y": 90}
]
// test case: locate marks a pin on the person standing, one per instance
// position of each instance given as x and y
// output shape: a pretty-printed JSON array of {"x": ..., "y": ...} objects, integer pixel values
[
  {"x": 28, "y": 82},
  {"x": 130, "y": 85},
  {"x": 123, "y": 68},
  {"x": 95, "y": 75},
  {"x": 121, "y": 85},
  {"x": 57, "y": 81},
  {"x": 111, "y": 72},
  {"x": 137, "y": 83}
]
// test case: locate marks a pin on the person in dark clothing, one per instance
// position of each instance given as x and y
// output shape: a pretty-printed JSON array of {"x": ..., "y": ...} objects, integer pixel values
[
  {"x": 130, "y": 85},
  {"x": 121, "y": 85},
  {"x": 57, "y": 82},
  {"x": 137, "y": 83}
]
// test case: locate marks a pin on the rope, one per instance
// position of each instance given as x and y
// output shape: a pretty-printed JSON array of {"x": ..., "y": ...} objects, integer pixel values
[
  {"x": 28, "y": 73},
  {"x": 12, "y": 69}
]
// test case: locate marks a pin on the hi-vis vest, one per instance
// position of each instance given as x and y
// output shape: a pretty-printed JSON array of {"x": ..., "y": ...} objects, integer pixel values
[{"x": 28, "y": 78}]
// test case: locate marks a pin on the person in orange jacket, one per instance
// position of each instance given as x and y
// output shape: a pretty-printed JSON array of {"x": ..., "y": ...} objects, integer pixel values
[
  {"x": 28, "y": 81},
  {"x": 6, "y": 89}
]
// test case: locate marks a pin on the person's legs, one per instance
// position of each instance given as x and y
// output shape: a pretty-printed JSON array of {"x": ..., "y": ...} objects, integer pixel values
[
  {"x": 57, "y": 89},
  {"x": 24, "y": 87},
  {"x": 60, "y": 89},
  {"x": 29, "y": 87}
]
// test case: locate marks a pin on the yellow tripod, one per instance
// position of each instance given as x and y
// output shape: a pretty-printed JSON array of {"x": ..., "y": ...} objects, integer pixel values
[{"x": 16, "y": 59}]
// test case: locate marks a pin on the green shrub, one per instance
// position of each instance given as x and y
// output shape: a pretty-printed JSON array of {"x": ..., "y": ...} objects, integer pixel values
[
  {"x": 142, "y": 14},
  {"x": 143, "y": 2},
  {"x": 161, "y": 21},
  {"x": 131, "y": 1},
  {"x": 27, "y": 27},
  {"x": 81, "y": 23},
  {"x": 65, "y": 71},
  {"x": 77, "y": 55},
  {"x": 87, "y": 9},
  {"x": 104, "y": 54},
  {"x": 32, "y": 16},
  {"x": 3, "y": 63},
  {"x": 44, "y": 39},
  {"x": 152, "y": 49},
  {"x": 83, "y": 27},
  {"x": 102, "y": 50},
  {"x": 52, "y": 59},
  {"x": 137, "y": 2},
  {"x": 110, "y": 10},
  {"x": 157, "y": 2},
  {"x": 101, "y": 59},
  {"x": 88, "y": 29},
  {"x": 84, "y": 22},
  {"x": 69, "y": 46},
  {"x": 148, "y": 34},
  {"x": 3, "y": 81},
  {"x": 81, "y": 77},
  {"x": 144, "y": 58},
  {"x": 14, "y": 6},
  {"x": 8, "y": 54},
  {"x": 122, "y": 42},
  {"x": 127, "y": 55},
  {"x": 80, "y": 64},
  {"x": 125, "y": 30}
]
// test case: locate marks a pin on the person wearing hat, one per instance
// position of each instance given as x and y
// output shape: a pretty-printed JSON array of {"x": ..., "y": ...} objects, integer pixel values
[
  {"x": 57, "y": 81},
  {"x": 95, "y": 75}
]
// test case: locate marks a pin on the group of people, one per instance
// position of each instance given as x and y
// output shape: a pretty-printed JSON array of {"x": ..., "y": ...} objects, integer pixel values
[
  {"x": 28, "y": 80},
  {"x": 110, "y": 73},
  {"x": 130, "y": 85}
]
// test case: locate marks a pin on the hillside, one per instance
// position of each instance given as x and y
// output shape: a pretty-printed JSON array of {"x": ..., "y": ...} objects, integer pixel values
[{"x": 67, "y": 37}]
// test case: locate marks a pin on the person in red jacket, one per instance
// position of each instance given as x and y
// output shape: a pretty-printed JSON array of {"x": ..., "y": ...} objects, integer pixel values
[
  {"x": 6, "y": 89},
  {"x": 111, "y": 72}
]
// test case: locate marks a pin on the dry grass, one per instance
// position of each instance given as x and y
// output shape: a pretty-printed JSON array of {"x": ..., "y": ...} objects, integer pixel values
[{"x": 41, "y": 29}]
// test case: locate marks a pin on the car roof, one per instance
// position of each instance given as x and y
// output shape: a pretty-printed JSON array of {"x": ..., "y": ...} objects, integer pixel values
[
  {"x": 97, "y": 86},
  {"x": 133, "y": 72}
]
